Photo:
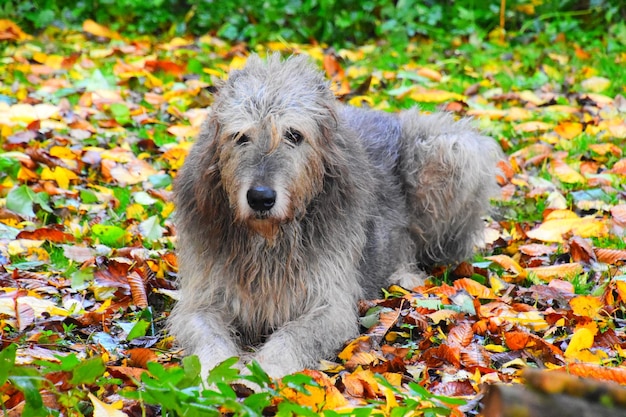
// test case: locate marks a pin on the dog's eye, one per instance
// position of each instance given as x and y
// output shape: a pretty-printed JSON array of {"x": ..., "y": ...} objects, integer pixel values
[
  {"x": 241, "y": 138},
  {"x": 294, "y": 136}
]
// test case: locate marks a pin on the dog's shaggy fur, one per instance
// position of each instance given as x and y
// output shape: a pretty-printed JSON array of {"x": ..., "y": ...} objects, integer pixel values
[{"x": 291, "y": 206}]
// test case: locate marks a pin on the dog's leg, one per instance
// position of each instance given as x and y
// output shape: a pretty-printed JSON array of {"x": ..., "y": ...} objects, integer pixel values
[
  {"x": 449, "y": 171},
  {"x": 202, "y": 332},
  {"x": 319, "y": 332}
]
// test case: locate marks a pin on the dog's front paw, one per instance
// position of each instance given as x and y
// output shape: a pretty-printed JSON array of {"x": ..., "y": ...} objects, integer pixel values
[{"x": 408, "y": 279}]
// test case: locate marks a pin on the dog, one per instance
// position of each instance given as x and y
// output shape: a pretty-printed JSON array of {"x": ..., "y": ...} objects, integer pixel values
[{"x": 292, "y": 206}]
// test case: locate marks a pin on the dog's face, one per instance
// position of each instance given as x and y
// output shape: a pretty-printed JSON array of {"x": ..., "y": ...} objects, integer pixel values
[{"x": 272, "y": 121}]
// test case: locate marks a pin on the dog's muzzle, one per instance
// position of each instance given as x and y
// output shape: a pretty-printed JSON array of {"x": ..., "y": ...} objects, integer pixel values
[{"x": 261, "y": 198}]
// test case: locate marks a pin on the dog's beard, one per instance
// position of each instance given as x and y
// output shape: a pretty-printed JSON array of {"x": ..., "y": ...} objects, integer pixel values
[{"x": 268, "y": 227}]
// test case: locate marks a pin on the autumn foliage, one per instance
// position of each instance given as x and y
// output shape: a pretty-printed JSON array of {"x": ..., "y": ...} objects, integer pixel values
[{"x": 94, "y": 127}]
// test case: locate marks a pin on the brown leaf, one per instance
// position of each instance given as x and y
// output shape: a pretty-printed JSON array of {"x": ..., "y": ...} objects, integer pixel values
[
  {"x": 610, "y": 256},
  {"x": 461, "y": 334},
  {"x": 537, "y": 249},
  {"x": 581, "y": 250},
  {"x": 137, "y": 289},
  {"x": 619, "y": 214},
  {"x": 45, "y": 233},
  {"x": 476, "y": 357}
]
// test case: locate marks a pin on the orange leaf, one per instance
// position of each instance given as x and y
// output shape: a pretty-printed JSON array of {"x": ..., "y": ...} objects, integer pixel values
[
  {"x": 139, "y": 357},
  {"x": 516, "y": 340},
  {"x": 11, "y": 31},
  {"x": 617, "y": 374},
  {"x": 431, "y": 74},
  {"x": 474, "y": 288}
]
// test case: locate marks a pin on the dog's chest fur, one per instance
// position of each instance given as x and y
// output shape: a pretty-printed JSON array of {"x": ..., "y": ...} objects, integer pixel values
[{"x": 266, "y": 289}]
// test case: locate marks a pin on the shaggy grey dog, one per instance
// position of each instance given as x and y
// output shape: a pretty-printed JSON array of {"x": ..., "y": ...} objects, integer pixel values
[{"x": 291, "y": 206}]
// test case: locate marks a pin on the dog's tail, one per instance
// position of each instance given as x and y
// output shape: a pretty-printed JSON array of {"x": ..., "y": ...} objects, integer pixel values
[{"x": 449, "y": 173}]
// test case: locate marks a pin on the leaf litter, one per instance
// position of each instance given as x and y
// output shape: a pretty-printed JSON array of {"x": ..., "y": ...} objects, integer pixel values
[{"x": 92, "y": 138}]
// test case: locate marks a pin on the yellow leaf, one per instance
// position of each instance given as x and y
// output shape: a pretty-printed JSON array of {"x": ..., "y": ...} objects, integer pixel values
[
  {"x": 431, "y": 74},
  {"x": 508, "y": 263},
  {"x": 596, "y": 84},
  {"x": 96, "y": 29},
  {"x": 606, "y": 148},
  {"x": 323, "y": 397},
  {"x": 581, "y": 339},
  {"x": 533, "y": 127},
  {"x": 586, "y": 305},
  {"x": 565, "y": 173},
  {"x": 495, "y": 348},
  {"x": 348, "y": 351},
  {"x": 553, "y": 229},
  {"x": 569, "y": 130},
  {"x": 621, "y": 289},
  {"x": 101, "y": 409},
  {"x": 442, "y": 314},
  {"x": 531, "y": 97},
  {"x": 424, "y": 95},
  {"x": 548, "y": 273},
  {"x": 62, "y": 176}
]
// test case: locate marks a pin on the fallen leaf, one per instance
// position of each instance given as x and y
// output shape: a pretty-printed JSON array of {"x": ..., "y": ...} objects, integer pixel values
[
  {"x": 587, "y": 306},
  {"x": 101, "y": 409}
]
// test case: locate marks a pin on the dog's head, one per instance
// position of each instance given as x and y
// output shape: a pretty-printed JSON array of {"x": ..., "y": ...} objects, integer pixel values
[{"x": 273, "y": 123}]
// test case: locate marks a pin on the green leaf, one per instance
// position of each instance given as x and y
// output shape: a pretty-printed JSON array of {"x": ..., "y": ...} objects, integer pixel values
[
  {"x": 21, "y": 200},
  {"x": 160, "y": 180},
  {"x": 7, "y": 362},
  {"x": 257, "y": 375},
  {"x": 88, "y": 371},
  {"x": 28, "y": 381},
  {"x": 109, "y": 235},
  {"x": 224, "y": 372},
  {"x": 88, "y": 197},
  {"x": 151, "y": 229},
  {"x": 138, "y": 330},
  {"x": 121, "y": 113}
]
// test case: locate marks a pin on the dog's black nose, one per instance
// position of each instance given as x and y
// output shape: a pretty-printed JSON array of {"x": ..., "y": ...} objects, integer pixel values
[{"x": 261, "y": 198}]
